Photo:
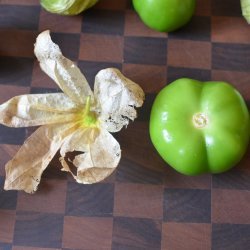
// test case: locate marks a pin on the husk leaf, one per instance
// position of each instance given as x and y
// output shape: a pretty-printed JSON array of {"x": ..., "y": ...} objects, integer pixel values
[{"x": 76, "y": 120}]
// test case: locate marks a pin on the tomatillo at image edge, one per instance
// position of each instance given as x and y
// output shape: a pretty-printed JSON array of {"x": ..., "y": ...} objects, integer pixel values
[
  {"x": 165, "y": 15},
  {"x": 200, "y": 127}
]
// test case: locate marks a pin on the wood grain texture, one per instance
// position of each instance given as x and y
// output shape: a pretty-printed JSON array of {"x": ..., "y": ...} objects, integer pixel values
[
  {"x": 84, "y": 233},
  {"x": 144, "y": 204},
  {"x": 180, "y": 236}
]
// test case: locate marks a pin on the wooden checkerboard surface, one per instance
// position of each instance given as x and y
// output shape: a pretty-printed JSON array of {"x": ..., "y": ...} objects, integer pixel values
[{"x": 144, "y": 204}]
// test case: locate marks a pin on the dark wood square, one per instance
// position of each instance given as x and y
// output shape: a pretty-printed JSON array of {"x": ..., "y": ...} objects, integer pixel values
[
  {"x": 90, "y": 200},
  {"x": 234, "y": 179},
  {"x": 134, "y": 233},
  {"x": 143, "y": 167},
  {"x": 230, "y": 236},
  {"x": 198, "y": 28},
  {"x": 20, "y": 17},
  {"x": 137, "y": 50},
  {"x": 5, "y": 246},
  {"x": 226, "y": 8},
  {"x": 187, "y": 205},
  {"x": 222, "y": 54},
  {"x": 38, "y": 229},
  {"x": 90, "y": 69},
  {"x": 68, "y": 43},
  {"x": 130, "y": 171},
  {"x": 16, "y": 71},
  {"x": 21, "y": 2},
  {"x": 8, "y": 199},
  {"x": 113, "y": 4},
  {"x": 14, "y": 136},
  {"x": 103, "y": 22}
]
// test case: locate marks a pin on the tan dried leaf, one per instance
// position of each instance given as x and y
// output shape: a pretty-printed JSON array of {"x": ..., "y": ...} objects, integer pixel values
[
  {"x": 24, "y": 171},
  {"x": 76, "y": 120},
  {"x": 116, "y": 97},
  {"x": 100, "y": 155},
  {"x": 62, "y": 70},
  {"x": 37, "y": 109}
]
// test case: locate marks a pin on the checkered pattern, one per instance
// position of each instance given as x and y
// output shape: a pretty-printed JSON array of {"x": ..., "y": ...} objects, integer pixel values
[{"x": 145, "y": 204}]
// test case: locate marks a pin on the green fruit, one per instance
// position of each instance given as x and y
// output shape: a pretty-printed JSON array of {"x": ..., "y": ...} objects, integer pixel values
[
  {"x": 165, "y": 15},
  {"x": 67, "y": 7},
  {"x": 200, "y": 127}
]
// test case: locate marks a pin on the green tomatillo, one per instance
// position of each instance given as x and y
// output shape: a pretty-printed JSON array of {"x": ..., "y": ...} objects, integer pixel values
[
  {"x": 165, "y": 15},
  {"x": 200, "y": 127},
  {"x": 245, "y": 8},
  {"x": 67, "y": 7}
]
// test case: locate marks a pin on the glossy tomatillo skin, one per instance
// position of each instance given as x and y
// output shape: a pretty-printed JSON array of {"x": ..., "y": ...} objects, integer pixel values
[
  {"x": 200, "y": 127},
  {"x": 67, "y": 7},
  {"x": 165, "y": 15}
]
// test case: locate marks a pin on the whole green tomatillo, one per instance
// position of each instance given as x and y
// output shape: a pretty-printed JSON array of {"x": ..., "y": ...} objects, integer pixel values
[
  {"x": 165, "y": 15},
  {"x": 200, "y": 127},
  {"x": 67, "y": 7}
]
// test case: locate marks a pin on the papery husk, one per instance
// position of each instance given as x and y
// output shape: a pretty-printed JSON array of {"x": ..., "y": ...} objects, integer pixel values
[
  {"x": 117, "y": 97},
  {"x": 37, "y": 109},
  {"x": 62, "y": 70},
  {"x": 24, "y": 171},
  {"x": 100, "y": 154},
  {"x": 76, "y": 120}
]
